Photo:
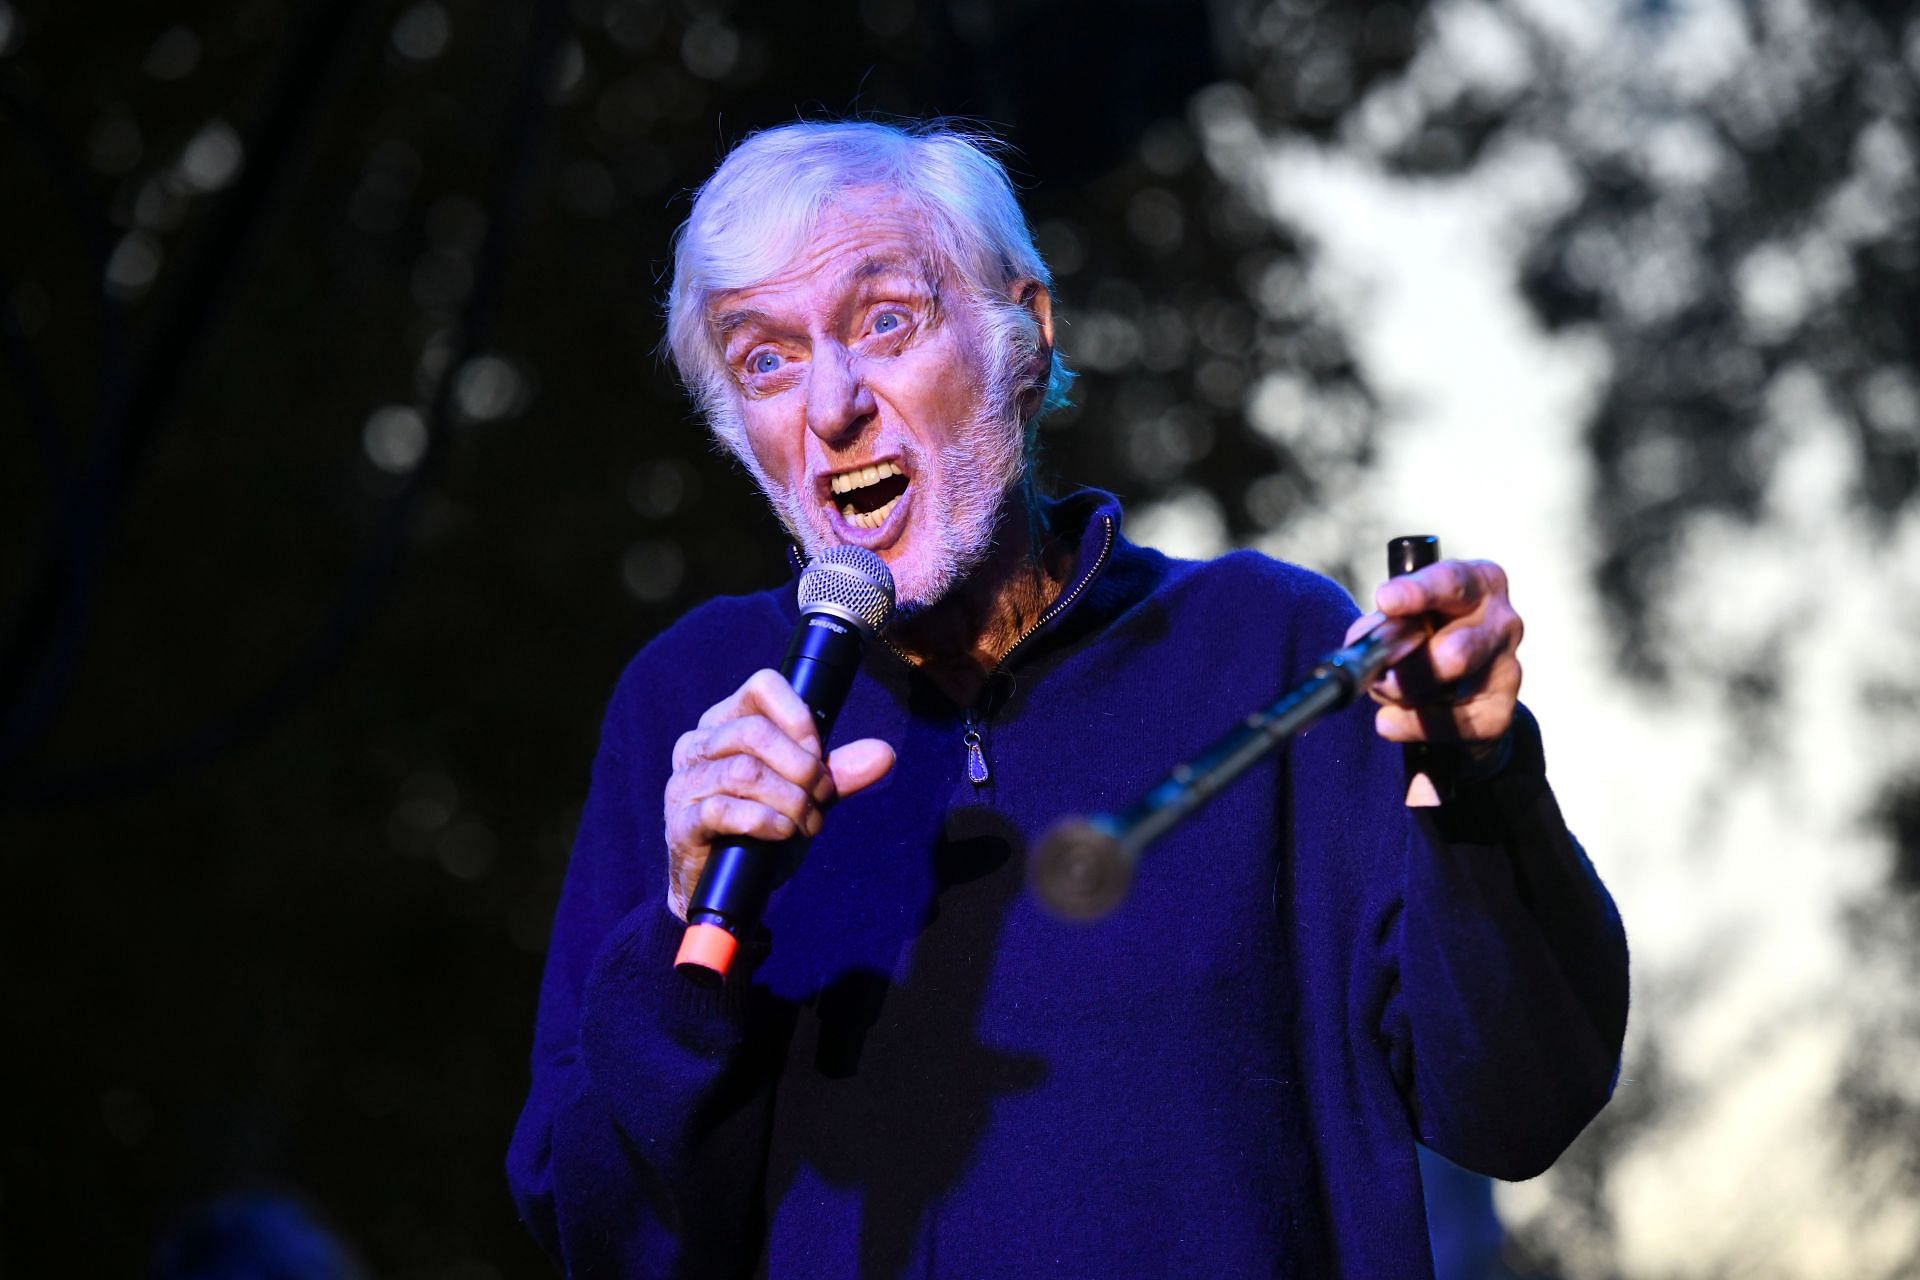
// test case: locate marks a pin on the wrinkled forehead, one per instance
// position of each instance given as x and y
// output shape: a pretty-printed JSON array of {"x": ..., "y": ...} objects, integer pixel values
[{"x": 844, "y": 248}]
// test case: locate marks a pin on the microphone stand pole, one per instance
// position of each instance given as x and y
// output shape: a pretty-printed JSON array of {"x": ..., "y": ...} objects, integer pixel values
[{"x": 1085, "y": 864}]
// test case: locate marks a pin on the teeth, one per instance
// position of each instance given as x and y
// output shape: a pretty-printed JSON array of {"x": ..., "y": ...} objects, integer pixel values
[
  {"x": 865, "y": 476},
  {"x": 871, "y": 519}
]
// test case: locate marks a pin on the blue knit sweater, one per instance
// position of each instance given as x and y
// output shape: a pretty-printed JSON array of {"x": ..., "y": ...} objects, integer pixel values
[{"x": 927, "y": 1075}]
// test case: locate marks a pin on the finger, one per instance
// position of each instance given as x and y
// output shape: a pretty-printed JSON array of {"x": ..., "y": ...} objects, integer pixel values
[
  {"x": 1503, "y": 679},
  {"x": 1479, "y": 718},
  {"x": 1452, "y": 587},
  {"x": 695, "y": 829},
  {"x": 1390, "y": 690},
  {"x": 759, "y": 737},
  {"x": 718, "y": 816},
  {"x": 766, "y": 692},
  {"x": 1501, "y": 676},
  {"x": 1462, "y": 650},
  {"x": 749, "y": 778},
  {"x": 1410, "y": 680},
  {"x": 859, "y": 765},
  {"x": 769, "y": 694}
]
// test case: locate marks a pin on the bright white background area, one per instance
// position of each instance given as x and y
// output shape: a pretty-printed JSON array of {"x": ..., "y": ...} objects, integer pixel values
[{"x": 1733, "y": 860}]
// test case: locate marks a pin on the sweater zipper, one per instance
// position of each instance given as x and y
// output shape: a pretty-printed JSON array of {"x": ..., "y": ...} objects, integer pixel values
[
  {"x": 976, "y": 758},
  {"x": 975, "y": 716}
]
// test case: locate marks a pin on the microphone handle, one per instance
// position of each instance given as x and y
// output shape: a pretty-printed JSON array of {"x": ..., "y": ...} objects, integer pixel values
[
  {"x": 740, "y": 875},
  {"x": 1406, "y": 555}
]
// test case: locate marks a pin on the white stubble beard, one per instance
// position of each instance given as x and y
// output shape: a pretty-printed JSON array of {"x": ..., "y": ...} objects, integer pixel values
[{"x": 977, "y": 467}]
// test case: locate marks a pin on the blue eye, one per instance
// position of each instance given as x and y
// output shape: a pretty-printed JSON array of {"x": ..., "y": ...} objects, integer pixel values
[
  {"x": 886, "y": 322},
  {"x": 765, "y": 362}
]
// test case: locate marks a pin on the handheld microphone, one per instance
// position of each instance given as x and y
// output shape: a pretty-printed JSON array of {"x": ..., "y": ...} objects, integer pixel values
[{"x": 846, "y": 596}]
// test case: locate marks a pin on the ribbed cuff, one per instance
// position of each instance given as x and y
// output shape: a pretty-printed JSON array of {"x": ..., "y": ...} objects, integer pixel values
[
  {"x": 635, "y": 978},
  {"x": 1517, "y": 754},
  {"x": 1488, "y": 796}
]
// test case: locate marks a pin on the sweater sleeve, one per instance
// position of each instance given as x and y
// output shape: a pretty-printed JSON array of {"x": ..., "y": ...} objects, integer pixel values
[
  {"x": 641, "y": 1148},
  {"x": 1510, "y": 1007}
]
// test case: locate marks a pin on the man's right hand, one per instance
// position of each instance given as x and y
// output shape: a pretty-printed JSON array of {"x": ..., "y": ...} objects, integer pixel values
[{"x": 752, "y": 768}]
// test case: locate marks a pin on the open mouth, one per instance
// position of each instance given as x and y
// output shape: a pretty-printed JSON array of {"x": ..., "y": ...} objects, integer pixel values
[{"x": 867, "y": 497}]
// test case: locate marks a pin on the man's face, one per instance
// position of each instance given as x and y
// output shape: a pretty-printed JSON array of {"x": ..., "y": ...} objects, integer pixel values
[{"x": 863, "y": 388}]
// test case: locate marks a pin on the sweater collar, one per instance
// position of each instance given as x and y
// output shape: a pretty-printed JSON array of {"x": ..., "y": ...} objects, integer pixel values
[
  {"x": 1092, "y": 517},
  {"x": 1094, "y": 592}
]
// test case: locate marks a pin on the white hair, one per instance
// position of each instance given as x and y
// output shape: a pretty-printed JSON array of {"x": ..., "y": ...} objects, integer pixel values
[{"x": 755, "y": 213}]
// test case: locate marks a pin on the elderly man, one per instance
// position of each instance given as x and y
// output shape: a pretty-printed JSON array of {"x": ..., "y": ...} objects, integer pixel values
[{"x": 921, "y": 1072}]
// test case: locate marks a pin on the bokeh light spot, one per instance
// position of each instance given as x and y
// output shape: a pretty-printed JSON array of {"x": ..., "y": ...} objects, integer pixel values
[
  {"x": 1273, "y": 499},
  {"x": 658, "y": 489},
  {"x": 1324, "y": 82},
  {"x": 652, "y": 571},
  {"x": 420, "y": 34},
  {"x": 1772, "y": 292},
  {"x": 887, "y": 19},
  {"x": 173, "y": 56},
  {"x": 1890, "y": 399},
  {"x": 133, "y": 265},
  {"x": 1164, "y": 339},
  {"x": 489, "y": 388},
  {"x": 633, "y": 24},
  {"x": 710, "y": 48},
  {"x": 435, "y": 354},
  {"x": 465, "y": 849},
  {"x": 1106, "y": 341},
  {"x": 570, "y": 75},
  {"x": 1657, "y": 467},
  {"x": 1061, "y": 245},
  {"x": 1221, "y": 383},
  {"x": 1188, "y": 523},
  {"x": 1164, "y": 444},
  {"x": 1166, "y": 148},
  {"x": 1155, "y": 220},
  {"x": 213, "y": 158},
  {"x": 159, "y": 206},
  {"x": 378, "y": 205},
  {"x": 427, "y": 803},
  {"x": 395, "y": 439}
]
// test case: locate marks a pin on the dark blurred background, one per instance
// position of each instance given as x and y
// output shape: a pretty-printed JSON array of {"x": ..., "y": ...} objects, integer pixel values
[{"x": 339, "y": 476}]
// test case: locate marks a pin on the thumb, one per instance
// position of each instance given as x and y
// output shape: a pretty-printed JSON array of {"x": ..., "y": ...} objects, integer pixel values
[
  {"x": 1363, "y": 624},
  {"x": 859, "y": 765}
]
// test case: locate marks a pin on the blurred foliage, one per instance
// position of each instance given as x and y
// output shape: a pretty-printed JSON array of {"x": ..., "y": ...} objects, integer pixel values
[
  {"x": 340, "y": 475},
  {"x": 1740, "y": 228},
  {"x": 1750, "y": 250},
  {"x": 342, "y": 478}
]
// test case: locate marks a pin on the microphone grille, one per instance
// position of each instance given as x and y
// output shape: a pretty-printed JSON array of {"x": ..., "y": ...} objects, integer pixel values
[
  {"x": 1081, "y": 870},
  {"x": 852, "y": 581}
]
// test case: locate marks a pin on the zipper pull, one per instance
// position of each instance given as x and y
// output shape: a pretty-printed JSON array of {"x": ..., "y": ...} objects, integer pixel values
[{"x": 976, "y": 758}]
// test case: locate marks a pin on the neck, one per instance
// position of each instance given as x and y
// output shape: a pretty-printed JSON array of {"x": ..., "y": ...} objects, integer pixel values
[{"x": 958, "y": 642}]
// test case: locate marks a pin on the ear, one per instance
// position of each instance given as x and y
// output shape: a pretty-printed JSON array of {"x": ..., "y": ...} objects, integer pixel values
[{"x": 1037, "y": 301}]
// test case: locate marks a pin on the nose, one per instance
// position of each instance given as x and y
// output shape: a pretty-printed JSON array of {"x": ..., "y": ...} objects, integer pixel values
[{"x": 838, "y": 400}]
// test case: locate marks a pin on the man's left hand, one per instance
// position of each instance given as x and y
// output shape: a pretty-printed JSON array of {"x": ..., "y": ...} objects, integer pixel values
[{"x": 1463, "y": 684}]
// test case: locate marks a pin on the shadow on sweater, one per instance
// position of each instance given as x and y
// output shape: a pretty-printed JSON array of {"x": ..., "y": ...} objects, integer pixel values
[{"x": 900, "y": 1089}]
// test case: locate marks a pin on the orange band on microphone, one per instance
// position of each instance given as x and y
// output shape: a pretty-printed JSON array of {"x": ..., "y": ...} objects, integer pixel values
[{"x": 707, "y": 946}]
